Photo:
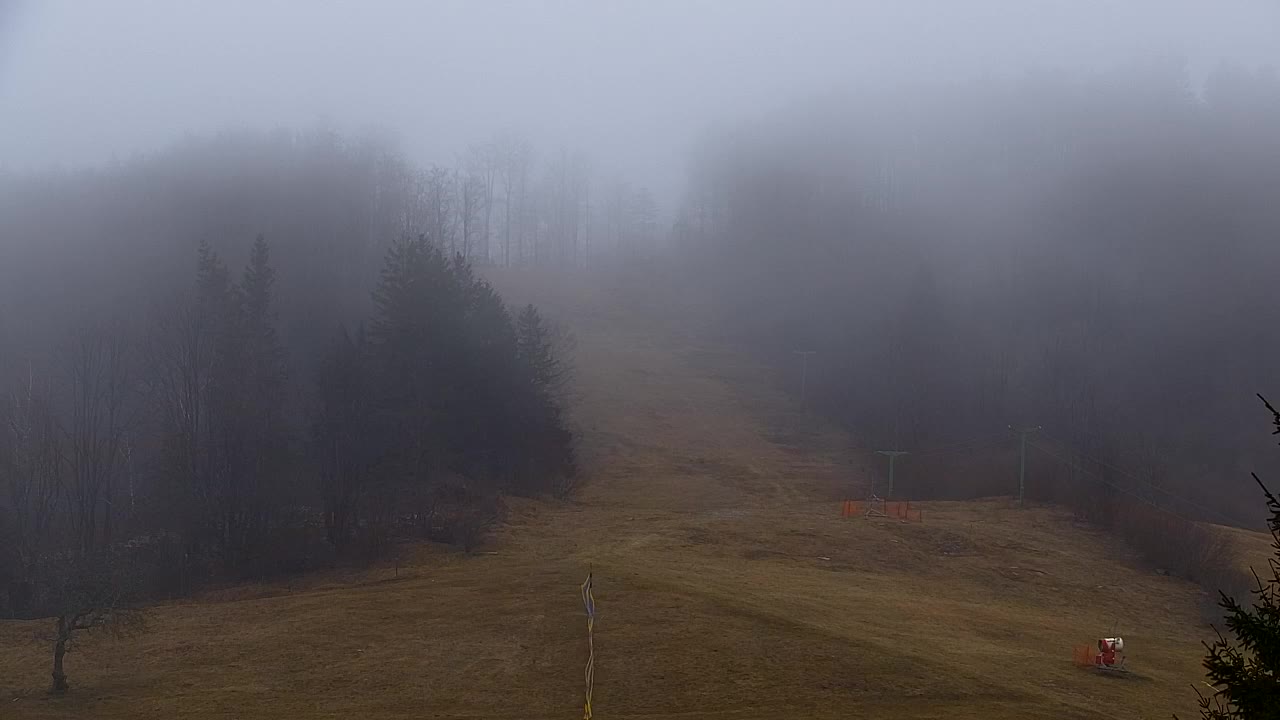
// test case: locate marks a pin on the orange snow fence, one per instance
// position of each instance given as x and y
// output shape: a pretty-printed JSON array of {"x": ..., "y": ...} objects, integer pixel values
[
  {"x": 1082, "y": 655},
  {"x": 897, "y": 509},
  {"x": 902, "y": 510}
]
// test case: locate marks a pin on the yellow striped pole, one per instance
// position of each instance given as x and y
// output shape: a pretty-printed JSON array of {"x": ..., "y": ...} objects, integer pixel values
[{"x": 589, "y": 603}]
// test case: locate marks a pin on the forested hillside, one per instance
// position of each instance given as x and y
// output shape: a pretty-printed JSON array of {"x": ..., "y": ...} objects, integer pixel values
[
  {"x": 1090, "y": 253},
  {"x": 172, "y": 422}
]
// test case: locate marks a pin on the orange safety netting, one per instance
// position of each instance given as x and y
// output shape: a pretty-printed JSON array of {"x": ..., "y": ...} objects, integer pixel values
[
  {"x": 897, "y": 509},
  {"x": 902, "y": 510},
  {"x": 1082, "y": 655}
]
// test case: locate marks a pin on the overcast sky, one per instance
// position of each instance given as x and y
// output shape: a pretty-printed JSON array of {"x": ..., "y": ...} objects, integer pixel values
[{"x": 631, "y": 82}]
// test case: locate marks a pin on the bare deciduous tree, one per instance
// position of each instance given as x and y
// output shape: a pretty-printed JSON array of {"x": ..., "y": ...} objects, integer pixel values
[
  {"x": 99, "y": 383},
  {"x": 483, "y": 162},
  {"x": 87, "y": 592},
  {"x": 442, "y": 211},
  {"x": 179, "y": 362},
  {"x": 514, "y": 154},
  {"x": 470, "y": 193},
  {"x": 32, "y": 464}
]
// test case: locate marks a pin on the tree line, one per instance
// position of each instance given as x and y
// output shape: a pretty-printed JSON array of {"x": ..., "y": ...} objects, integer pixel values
[
  {"x": 146, "y": 459},
  {"x": 1089, "y": 254},
  {"x": 330, "y": 204},
  {"x": 504, "y": 204}
]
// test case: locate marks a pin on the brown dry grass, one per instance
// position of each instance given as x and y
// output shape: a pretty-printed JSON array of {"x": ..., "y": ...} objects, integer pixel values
[{"x": 727, "y": 586}]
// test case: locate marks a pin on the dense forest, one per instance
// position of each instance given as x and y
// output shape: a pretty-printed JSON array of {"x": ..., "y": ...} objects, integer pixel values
[
  {"x": 263, "y": 353},
  {"x": 1095, "y": 255}
]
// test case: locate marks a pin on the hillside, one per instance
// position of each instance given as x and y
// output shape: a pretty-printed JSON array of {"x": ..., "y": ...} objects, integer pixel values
[{"x": 727, "y": 584}]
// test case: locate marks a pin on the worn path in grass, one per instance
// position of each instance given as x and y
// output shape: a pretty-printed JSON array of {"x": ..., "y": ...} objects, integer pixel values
[{"x": 727, "y": 584}]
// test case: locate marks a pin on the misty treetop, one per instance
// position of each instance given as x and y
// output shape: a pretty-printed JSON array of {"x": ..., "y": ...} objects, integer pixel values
[{"x": 330, "y": 204}]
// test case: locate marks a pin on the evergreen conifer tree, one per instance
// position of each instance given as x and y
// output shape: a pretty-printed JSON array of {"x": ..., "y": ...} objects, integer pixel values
[{"x": 1245, "y": 673}]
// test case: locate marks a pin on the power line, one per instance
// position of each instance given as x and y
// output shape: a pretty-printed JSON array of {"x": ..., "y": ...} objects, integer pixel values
[
  {"x": 1150, "y": 485},
  {"x": 1096, "y": 476},
  {"x": 955, "y": 446},
  {"x": 1105, "y": 464},
  {"x": 965, "y": 444},
  {"x": 990, "y": 440},
  {"x": 1211, "y": 511},
  {"x": 955, "y": 449}
]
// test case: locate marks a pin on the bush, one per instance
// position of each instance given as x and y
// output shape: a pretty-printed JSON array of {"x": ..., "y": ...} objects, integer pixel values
[
  {"x": 1186, "y": 548},
  {"x": 170, "y": 568},
  {"x": 464, "y": 515},
  {"x": 565, "y": 485},
  {"x": 1202, "y": 553},
  {"x": 1229, "y": 578},
  {"x": 287, "y": 549}
]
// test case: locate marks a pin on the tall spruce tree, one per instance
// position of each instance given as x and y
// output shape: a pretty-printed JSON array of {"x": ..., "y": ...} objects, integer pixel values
[
  {"x": 260, "y": 390},
  {"x": 545, "y": 445},
  {"x": 215, "y": 447},
  {"x": 469, "y": 387},
  {"x": 1245, "y": 673},
  {"x": 537, "y": 350},
  {"x": 231, "y": 368},
  {"x": 348, "y": 435},
  {"x": 411, "y": 334}
]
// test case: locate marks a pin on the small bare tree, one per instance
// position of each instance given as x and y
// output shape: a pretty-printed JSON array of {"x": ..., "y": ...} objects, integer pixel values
[
  {"x": 87, "y": 592},
  {"x": 513, "y": 156},
  {"x": 470, "y": 194},
  {"x": 440, "y": 199},
  {"x": 483, "y": 162}
]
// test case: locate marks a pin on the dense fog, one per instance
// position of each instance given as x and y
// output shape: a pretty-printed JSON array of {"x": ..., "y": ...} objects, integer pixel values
[
  {"x": 1090, "y": 253},
  {"x": 243, "y": 251}
]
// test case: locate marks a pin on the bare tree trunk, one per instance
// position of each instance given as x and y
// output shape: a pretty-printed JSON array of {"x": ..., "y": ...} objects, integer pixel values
[
  {"x": 488, "y": 205},
  {"x": 63, "y": 634},
  {"x": 586, "y": 221},
  {"x": 506, "y": 206},
  {"x": 108, "y": 508},
  {"x": 99, "y": 378},
  {"x": 522, "y": 213}
]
